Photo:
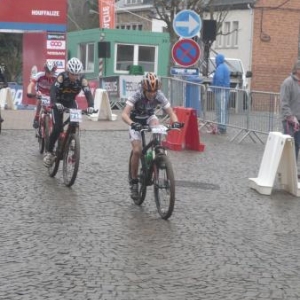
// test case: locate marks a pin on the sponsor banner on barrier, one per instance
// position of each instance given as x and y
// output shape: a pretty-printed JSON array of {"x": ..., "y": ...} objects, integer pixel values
[
  {"x": 129, "y": 84},
  {"x": 111, "y": 85}
]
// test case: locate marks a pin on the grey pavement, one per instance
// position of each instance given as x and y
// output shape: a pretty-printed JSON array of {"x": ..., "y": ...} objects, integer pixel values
[{"x": 223, "y": 241}]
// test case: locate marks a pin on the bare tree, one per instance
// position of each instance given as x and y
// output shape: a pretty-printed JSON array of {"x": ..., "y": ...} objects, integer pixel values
[{"x": 79, "y": 15}]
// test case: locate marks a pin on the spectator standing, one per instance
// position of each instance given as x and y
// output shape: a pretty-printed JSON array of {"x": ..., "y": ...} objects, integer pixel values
[
  {"x": 221, "y": 82},
  {"x": 290, "y": 105}
]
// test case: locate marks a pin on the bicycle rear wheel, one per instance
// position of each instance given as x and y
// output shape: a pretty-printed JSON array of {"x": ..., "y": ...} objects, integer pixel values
[
  {"x": 142, "y": 182},
  {"x": 164, "y": 186},
  {"x": 71, "y": 159}
]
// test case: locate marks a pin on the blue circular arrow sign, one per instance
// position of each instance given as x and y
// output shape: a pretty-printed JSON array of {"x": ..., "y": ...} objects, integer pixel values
[
  {"x": 187, "y": 23},
  {"x": 186, "y": 52}
]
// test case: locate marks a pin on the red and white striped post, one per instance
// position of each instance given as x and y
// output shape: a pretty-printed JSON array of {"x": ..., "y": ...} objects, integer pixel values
[{"x": 101, "y": 61}]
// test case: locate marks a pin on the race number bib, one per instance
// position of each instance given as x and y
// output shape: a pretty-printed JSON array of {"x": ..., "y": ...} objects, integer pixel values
[
  {"x": 75, "y": 115},
  {"x": 161, "y": 129},
  {"x": 45, "y": 100}
]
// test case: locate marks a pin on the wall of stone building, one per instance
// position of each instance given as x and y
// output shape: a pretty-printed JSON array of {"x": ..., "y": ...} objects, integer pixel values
[
  {"x": 276, "y": 40},
  {"x": 142, "y": 18}
]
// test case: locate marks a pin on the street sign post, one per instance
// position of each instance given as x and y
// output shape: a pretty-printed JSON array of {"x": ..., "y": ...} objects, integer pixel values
[
  {"x": 187, "y": 23},
  {"x": 186, "y": 52},
  {"x": 179, "y": 71}
]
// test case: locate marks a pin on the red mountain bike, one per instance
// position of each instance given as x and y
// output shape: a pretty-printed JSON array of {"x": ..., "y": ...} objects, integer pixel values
[{"x": 45, "y": 124}]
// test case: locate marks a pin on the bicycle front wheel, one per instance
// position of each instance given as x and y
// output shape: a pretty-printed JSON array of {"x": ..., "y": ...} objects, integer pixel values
[
  {"x": 164, "y": 186},
  {"x": 71, "y": 159},
  {"x": 142, "y": 182},
  {"x": 41, "y": 140},
  {"x": 47, "y": 132}
]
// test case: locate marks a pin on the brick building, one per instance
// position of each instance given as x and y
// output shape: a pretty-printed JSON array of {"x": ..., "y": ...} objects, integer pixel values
[{"x": 276, "y": 42}]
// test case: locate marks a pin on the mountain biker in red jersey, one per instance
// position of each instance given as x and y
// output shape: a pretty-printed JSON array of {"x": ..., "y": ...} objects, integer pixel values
[
  {"x": 40, "y": 85},
  {"x": 63, "y": 92},
  {"x": 139, "y": 111}
]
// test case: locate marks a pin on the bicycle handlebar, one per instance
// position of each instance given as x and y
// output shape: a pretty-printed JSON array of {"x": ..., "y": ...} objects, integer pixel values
[
  {"x": 148, "y": 128},
  {"x": 83, "y": 111}
]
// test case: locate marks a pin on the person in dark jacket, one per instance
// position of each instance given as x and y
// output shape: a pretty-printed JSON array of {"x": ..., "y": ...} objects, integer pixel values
[
  {"x": 63, "y": 92},
  {"x": 290, "y": 105},
  {"x": 221, "y": 84}
]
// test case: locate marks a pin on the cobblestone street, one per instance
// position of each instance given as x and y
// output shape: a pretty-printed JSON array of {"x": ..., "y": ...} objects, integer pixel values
[{"x": 224, "y": 241}]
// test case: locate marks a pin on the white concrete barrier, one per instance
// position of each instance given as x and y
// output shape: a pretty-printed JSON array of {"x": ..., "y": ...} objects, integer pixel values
[
  {"x": 278, "y": 159},
  {"x": 101, "y": 102},
  {"x": 6, "y": 99}
]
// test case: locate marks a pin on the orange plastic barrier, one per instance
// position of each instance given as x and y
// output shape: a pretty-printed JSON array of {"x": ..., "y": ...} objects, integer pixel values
[{"x": 188, "y": 137}]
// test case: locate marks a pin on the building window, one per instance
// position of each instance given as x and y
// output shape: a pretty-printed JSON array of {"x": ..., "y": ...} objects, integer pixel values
[
  {"x": 227, "y": 34},
  {"x": 147, "y": 58},
  {"x": 128, "y": 55},
  {"x": 130, "y": 2},
  {"x": 87, "y": 56},
  {"x": 219, "y": 43},
  {"x": 235, "y": 33},
  {"x": 130, "y": 26}
]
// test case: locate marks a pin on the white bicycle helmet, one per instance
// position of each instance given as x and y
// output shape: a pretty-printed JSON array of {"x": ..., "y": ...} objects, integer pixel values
[
  {"x": 74, "y": 66},
  {"x": 50, "y": 66}
]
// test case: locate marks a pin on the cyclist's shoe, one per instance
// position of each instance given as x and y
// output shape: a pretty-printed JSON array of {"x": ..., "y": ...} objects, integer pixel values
[
  {"x": 49, "y": 159},
  {"x": 1, "y": 120},
  {"x": 134, "y": 187},
  {"x": 35, "y": 124}
]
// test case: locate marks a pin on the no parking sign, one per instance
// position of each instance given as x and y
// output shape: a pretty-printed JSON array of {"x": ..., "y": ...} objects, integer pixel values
[{"x": 186, "y": 52}]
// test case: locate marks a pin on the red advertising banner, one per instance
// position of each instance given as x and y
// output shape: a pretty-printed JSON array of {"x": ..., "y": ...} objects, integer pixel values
[
  {"x": 33, "y": 15},
  {"x": 106, "y": 13}
]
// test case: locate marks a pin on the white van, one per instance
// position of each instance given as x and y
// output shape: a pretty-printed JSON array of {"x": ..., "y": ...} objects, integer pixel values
[{"x": 238, "y": 76}]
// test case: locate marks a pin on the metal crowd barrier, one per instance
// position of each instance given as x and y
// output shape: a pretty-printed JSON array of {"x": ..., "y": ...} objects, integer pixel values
[{"x": 250, "y": 113}]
